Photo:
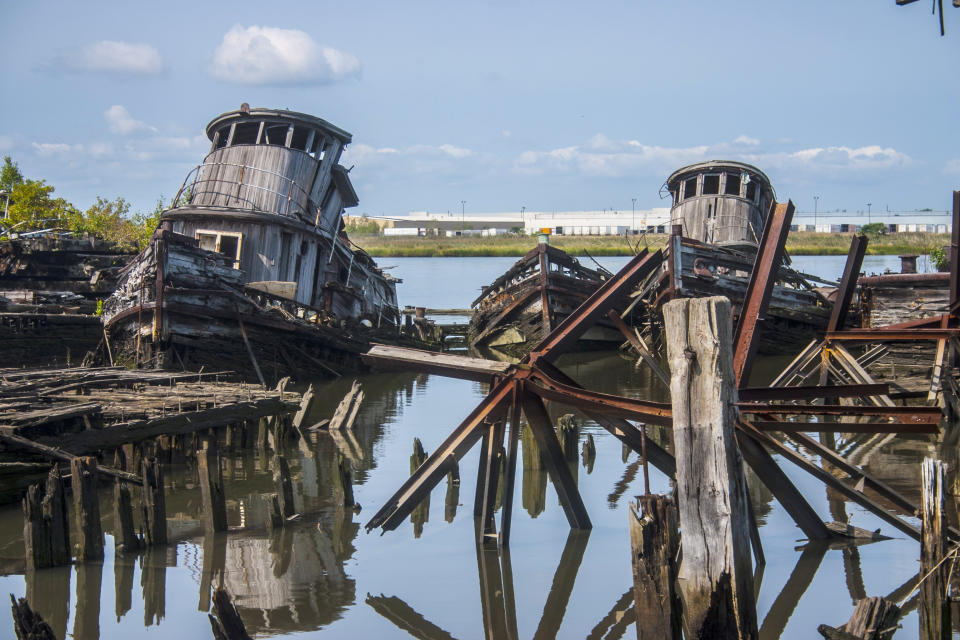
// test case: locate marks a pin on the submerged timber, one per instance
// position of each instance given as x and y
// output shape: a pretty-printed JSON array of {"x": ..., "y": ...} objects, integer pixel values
[{"x": 254, "y": 268}]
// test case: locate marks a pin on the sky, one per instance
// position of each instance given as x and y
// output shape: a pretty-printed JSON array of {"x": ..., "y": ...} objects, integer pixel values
[{"x": 494, "y": 106}]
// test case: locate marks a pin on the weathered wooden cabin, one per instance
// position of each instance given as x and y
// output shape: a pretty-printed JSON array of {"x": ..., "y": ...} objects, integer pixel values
[
  {"x": 718, "y": 213},
  {"x": 252, "y": 264}
]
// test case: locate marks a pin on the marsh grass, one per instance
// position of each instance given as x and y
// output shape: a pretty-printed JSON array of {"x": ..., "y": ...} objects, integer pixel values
[{"x": 798, "y": 243}]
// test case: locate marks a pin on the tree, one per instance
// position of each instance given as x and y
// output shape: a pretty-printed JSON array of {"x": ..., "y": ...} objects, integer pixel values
[
  {"x": 146, "y": 223},
  {"x": 873, "y": 229},
  {"x": 10, "y": 175},
  {"x": 32, "y": 206}
]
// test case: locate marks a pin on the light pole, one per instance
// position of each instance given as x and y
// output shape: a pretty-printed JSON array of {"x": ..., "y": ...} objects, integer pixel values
[
  {"x": 523, "y": 222},
  {"x": 868, "y": 212},
  {"x": 463, "y": 205},
  {"x": 816, "y": 201},
  {"x": 633, "y": 221}
]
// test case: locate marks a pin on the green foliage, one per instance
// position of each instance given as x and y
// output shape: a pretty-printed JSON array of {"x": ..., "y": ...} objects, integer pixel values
[
  {"x": 10, "y": 175},
  {"x": 32, "y": 206},
  {"x": 99, "y": 311},
  {"x": 873, "y": 229},
  {"x": 146, "y": 223},
  {"x": 939, "y": 258},
  {"x": 362, "y": 226}
]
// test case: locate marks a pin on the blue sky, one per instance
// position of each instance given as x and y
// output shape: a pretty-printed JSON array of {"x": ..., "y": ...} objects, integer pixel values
[{"x": 547, "y": 105}]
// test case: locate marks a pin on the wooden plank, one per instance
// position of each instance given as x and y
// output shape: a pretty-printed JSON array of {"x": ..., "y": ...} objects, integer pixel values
[{"x": 448, "y": 364}]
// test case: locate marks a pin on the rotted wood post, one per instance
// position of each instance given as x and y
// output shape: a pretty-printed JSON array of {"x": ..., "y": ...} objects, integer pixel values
[
  {"x": 211, "y": 491},
  {"x": 27, "y": 624},
  {"x": 934, "y": 606},
  {"x": 654, "y": 540},
  {"x": 154, "y": 503},
  {"x": 421, "y": 513},
  {"x": 36, "y": 530},
  {"x": 225, "y": 621},
  {"x": 715, "y": 577},
  {"x": 86, "y": 504},
  {"x": 55, "y": 512},
  {"x": 281, "y": 480},
  {"x": 124, "y": 533},
  {"x": 343, "y": 481}
]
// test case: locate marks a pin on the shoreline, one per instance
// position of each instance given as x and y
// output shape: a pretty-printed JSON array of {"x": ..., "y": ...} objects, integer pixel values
[{"x": 798, "y": 244}]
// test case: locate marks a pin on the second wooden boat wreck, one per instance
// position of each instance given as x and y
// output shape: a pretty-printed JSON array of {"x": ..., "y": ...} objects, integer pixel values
[
  {"x": 717, "y": 218},
  {"x": 253, "y": 267},
  {"x": 537, "y": 293}
]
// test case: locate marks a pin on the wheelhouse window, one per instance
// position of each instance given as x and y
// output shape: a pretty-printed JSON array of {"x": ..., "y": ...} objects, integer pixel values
[
  {"x": 228, "y": 244},
  {"x": 690, "y": 187},
  {"x": 752, "y": 191},
  {"x": 246, "y": 133},
  {"x": 732, "y": 188},
  {"x": 711, "y": 184}
]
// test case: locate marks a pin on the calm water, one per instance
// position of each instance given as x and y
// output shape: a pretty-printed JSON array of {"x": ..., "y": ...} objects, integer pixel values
[{"x": 326, "y": 573}]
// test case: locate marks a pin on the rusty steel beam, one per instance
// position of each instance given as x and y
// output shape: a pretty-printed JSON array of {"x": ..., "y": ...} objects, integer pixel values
[
  {"x": 607, "y": 404},
  {"x": 848, "y": 284},
  {"x": 954, "y": 251},
  {"x": 885, "y": 334},
  {"x": 602, "y": 300},
  {"x": 765, "y": 394},
  {"x": 846, "y": 427},
  {"x": 509, "y": 479},
  {"x": 757, "y": 297},
  {"x": 424, "y": 479},
  {"x": 912, "y": 414}
]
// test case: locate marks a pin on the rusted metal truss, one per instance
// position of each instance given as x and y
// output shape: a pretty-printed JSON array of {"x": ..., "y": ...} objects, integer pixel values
[{"x": 523, "y": 388}]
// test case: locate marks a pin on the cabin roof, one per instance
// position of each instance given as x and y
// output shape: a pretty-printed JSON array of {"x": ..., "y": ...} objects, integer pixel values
[
  {"x": 344, "y": 186},
  {"x": 715, "y": 165},
  {"x": 261, "y": 113}
]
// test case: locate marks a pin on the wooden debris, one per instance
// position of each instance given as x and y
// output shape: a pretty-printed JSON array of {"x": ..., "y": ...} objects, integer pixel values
[
  {"x": 306, "y": 403},
  {"x": 346, "y": 413},
  {"x": 715, "y": 577},
  {"x": 846, "y": 530},
  {"x": 154, "y": 504},
  {"x": 343, "y": 482},
  {"x": 276, "y": 516},
  {"x": 211, "y": 491},
  {"x": 284, "y": 487},
  {"x": 58, "y": 454},
  {"x": 873, "y": 619},
  {"x": 934, "y": 607},
  {"x": 55, "y": 513},
  {"x": 589, "y": 453},
  {"x": 27, "y": 624},
  {"x": 225, "y": 621},
  {"x": 654, "y": 541},
  {"x": 86, "y": 506},
  {"x": 452, "y": 499}
]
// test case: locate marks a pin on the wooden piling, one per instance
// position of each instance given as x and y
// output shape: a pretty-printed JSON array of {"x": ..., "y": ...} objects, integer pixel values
[
  {"x": 934, "y": 606},
  {"x": 343, "y": 479},
  {"x": 27, "y": 624},
  {"x": 225, "y": 621},
  {"x": 306, "y": 403},
  {"x": 653, "y": 551},
  {"x": 55, "y": 512},
  {"x": 872, "y": 619},
  {"x": 36, "y": 531},
  {"x": 421, "y": 513},
  {"x": 154, "y": 503},
  {"x": 284, "y": 487},
  {"x": 86, "y": 506},
  {"x": 124, "y": 534},
  {"x": 589, "y": 453},
  {"x": 715, "y": 577},
  {"x": 452, "y": 499},
  {"x": 211, "y": 491}
]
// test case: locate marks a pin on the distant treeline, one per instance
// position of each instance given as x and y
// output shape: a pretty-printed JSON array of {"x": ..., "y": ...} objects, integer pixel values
[{"x": 30, "y": 206}]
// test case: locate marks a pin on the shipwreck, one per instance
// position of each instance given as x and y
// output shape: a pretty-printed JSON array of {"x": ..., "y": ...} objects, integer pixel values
[{"x": 252, "y": 265}]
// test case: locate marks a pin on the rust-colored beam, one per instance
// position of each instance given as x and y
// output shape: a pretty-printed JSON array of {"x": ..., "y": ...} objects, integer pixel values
[
  {"x": 911, "y": 414},
  {"x": 954, "y": 250},
  {"x": 885, "y": 334},
  {"x": 509, "y": 478},
  {"x": 566, "y": 334},
  {"x": 424, "y": 479},
  {"x": 766, "y": 394},
  {"x": 846, "y": 427},
  {"x": 757, "y": 297},
  {"x": 848, "y": 284},
  {"x": 604, "y": 403}
]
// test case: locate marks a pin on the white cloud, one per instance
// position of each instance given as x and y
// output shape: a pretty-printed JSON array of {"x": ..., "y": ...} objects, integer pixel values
[
  {"x": 120, "y": 121},
  {"x": 46, "y": 149},
  {"x": 416, "y": 158},
  {"x": 951, "y": 168},
  {"x": 110, "y": 56},
  {"x": 268, "y": 55},
  {"x": 601, "y": 156}
]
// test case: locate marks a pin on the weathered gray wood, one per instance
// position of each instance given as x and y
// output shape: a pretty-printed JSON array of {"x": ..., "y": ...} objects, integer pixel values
[
  {"x": 36, "y": 530},
  {"x": 934, "y": 607},
  {"x": 343, "y": 479},
  {"x": 347, "y": 409},
  {"x": 55, "y": 513},
  {"x": 154, "y": 503},
  {"x": 27, "y": 624},
  {"x": 211, "y": 491},
  {"x": 86, "y": 505},
  {"x": 283, "y": 485},
  {"x": 306, "y": 403},
  {"x": 873, "y": 619},
  {"x": 654, "y": 540},
  {"x": 715, "y": 577},
  {"x": 58, "y": 454},
  {"x": 124, "y": 534}
]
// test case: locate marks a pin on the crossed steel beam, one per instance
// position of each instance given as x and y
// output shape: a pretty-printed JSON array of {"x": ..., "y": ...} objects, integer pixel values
[{"x": 523, "y": 388}]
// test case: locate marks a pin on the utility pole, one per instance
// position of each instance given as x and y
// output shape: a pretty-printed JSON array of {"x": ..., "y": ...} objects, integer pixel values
[
  {"x": 633, "y": 221},
  {"x": 868, "y": 212},
  {"x": 463, "y": 205},
  {"x": 816, "y": 200},
  {"x": 523, "y": 222}
]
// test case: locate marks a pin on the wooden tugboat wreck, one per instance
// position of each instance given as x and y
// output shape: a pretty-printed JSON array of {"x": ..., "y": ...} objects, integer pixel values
[
  {"x": 718, "y": 215},
  {"x": 254, "y": 266},
  {"x": 533, "y": 296}
]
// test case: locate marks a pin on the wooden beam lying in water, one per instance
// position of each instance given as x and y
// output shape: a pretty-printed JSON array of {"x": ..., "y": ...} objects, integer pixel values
[{"x": 383, "y": 356}]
